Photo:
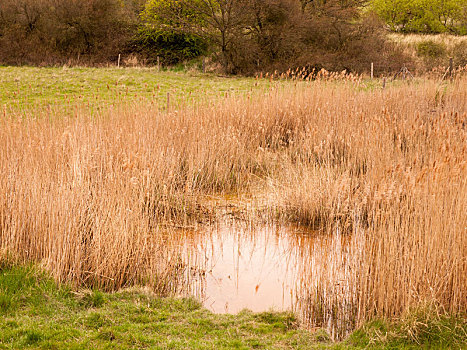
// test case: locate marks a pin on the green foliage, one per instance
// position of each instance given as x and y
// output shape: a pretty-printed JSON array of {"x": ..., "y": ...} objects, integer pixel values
[
  {"x": 129, "y": 319},
  {"x": 32, "y": 337},
  {"x": 94, "y": 299},
  {"x": 423, "y": 16},
  {"x": 369, "y": 333},
  {"x": 431, "y": 49},
  {"x": 284, "y": 321},
  {"x": 161, "y": 33},
  {"x": 422, "y": 327},
  {"x": 321, "y": 336},
  {"x": 170, "y": 46},
  {"x": 46, "y": 315},
  {"x": 426, "y": 325}
]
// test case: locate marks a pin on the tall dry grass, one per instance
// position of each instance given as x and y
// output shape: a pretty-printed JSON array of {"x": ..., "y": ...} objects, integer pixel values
[
  {"x": 390, "y": 170},
  {"x": 432, "y": 52},
  {"x": 93, "y": 199}
]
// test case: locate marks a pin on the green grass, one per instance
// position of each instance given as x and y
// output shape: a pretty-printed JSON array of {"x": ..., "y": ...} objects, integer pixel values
[
  {"x": 36, "y": 313},
  {"x": 24, "y": 89},
  {"x": 29, "y": 87},
  {"x": 413, "y": 331}
]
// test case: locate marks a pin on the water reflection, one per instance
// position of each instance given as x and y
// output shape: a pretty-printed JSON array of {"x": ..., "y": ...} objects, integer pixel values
[{"x": 235, "y": 266}]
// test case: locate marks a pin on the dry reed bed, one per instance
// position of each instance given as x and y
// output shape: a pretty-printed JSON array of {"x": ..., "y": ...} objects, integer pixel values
[{"x": 90, "y": 197}]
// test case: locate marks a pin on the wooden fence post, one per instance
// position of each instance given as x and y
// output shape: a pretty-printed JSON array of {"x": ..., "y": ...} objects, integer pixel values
[
  {"x": 451, "y": 67},
  {"x": 119, "y": 57},
  {"x": 372, "y": 70},
  {"x": 168, "y": 101}
]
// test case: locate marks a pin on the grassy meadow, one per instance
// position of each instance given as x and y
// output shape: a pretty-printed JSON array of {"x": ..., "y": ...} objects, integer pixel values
[
  {"x": 27, "y": 88},
  {"x": 36, "y": 313},
  {"x": 97, "y": 200}
]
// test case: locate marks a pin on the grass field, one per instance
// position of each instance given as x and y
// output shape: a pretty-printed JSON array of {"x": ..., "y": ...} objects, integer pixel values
[
  {"x": 24, "y": 88},
  {"x": 35, "y": 313},
  {"x": 98, "y": 199}
]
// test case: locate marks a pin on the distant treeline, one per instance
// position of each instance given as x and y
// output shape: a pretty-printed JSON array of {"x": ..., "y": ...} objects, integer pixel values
[
  {"x": 55, "y": 31},
  {"x": 423, "y": 16},
  {"x": 238, "y": 36}
]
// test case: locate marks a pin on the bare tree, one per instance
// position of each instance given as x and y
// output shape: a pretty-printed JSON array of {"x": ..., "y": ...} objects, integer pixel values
[{"x": 221, "y": 22}]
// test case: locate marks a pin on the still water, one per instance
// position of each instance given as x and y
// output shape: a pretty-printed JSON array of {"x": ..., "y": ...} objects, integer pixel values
[{"x": 236, "y": 266}]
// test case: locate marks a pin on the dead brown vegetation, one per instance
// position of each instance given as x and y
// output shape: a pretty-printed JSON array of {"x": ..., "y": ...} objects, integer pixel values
[
  {"x": 48, "y": 32},
  {"x": 90, "y": 198}
]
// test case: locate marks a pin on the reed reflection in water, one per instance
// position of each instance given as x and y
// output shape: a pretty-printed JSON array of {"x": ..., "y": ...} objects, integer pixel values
[{"x": 236, "y": 266}]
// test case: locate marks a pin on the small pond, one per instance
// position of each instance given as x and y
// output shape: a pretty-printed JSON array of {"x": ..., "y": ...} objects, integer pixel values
[{"x": 235, "y": 265}]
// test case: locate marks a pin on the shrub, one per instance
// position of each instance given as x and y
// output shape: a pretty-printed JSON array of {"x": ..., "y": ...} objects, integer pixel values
[
  {"x": 170, "y": 46},
  {"x": 459, "y": 53},
  {"x": 431, "y": 49},
  {"x": 46, "y": 31},
  {"x": 423, "y": 16},
  {"x": 162, "y": 32}
]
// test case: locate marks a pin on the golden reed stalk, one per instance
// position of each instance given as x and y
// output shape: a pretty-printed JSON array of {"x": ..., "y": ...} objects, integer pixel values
[{"x": 89, "y": 198}]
